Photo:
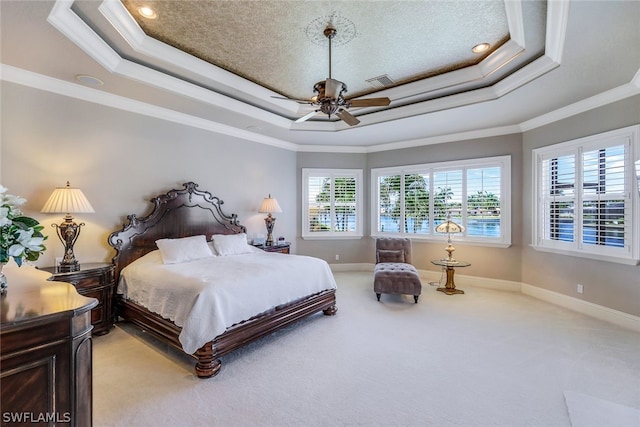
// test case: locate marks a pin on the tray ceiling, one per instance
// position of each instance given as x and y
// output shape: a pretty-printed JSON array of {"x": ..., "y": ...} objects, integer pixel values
[{"x": 220, "y": 65}]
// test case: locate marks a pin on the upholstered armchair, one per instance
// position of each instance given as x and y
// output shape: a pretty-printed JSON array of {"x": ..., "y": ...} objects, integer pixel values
[{"x": 393, "y": 273}]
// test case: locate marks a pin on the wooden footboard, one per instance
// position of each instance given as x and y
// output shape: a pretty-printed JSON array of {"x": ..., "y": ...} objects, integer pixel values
[{"x": 208, "y": 362}]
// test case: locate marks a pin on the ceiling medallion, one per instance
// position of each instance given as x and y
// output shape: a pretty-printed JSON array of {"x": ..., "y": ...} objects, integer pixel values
[{"x": 346, "y": 30}]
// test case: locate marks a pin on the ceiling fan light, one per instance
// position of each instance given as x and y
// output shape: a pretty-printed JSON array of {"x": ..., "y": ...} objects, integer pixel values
[{"x": 334, "y": 88}]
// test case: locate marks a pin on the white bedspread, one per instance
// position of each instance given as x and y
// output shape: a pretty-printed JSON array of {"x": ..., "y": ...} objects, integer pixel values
[{"x": 207, "y": 296}]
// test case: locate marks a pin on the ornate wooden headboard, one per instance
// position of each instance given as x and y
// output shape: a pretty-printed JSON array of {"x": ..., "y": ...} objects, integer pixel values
[{"x": 178, "y": 213}]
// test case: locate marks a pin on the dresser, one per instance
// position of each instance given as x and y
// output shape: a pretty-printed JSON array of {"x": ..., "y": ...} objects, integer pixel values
[
  {"x": 95, "y": 280},
  {"x": 46, "y": 352}
]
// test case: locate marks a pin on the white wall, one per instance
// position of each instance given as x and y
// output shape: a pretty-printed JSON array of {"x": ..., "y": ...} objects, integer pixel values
[
  {"x": 608, "y": 284},
  {"x": 121, "y": 160}
]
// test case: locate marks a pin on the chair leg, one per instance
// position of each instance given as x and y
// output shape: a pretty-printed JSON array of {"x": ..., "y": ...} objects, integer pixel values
[
  {"x": 415, "y": 298},
  {"x": 378, "y": 295}
]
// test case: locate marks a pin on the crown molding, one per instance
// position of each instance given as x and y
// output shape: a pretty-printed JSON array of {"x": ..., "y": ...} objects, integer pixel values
[
  {"x": 72, "y": 26},
  {"x": 49, "y": 84},
  {"x": 608, "y": 97},
  {"x": 38, "y": 81}
]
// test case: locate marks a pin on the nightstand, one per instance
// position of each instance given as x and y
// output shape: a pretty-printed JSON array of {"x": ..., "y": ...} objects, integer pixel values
[
  {"x": 95, "y": 280},
  {"x": 282, "y": 248}
]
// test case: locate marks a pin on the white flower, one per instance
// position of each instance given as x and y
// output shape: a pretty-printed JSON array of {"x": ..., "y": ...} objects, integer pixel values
[
  {"x": 14, "y": 201},
  {"x": 25, "y": 242},
  {"x": 4, "y": 216},
  {"x": 20, "y": 236}
]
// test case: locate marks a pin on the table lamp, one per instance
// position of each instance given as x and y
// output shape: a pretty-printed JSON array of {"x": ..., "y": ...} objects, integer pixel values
[
  {"x": 269, "y": 205},
  {"x": 449, "y": 227},
  {"x": 68, "y": 200}
]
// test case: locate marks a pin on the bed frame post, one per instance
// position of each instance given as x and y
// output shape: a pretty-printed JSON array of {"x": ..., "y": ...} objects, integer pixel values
[
  {"x": 331, "y": 311},
  {"x": 208, "y": 365}
]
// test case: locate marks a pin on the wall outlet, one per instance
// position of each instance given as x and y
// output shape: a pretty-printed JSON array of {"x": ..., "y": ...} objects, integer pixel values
[
  {"x": 580, "y": 288},
  {"x": 337, "y": 257},
  {"x": 58, "y": 260}
]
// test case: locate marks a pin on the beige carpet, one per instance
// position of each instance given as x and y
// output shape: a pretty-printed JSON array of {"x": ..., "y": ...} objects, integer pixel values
[
  {"x": 589, "y": 411},
  {"x": 486, "y": 358}
]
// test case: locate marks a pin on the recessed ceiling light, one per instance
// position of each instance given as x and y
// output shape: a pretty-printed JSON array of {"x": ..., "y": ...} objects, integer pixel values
[
  {"x": 89, "y": 80},
  {"x": 147, "y": 12},
  {"x": 482, "y": 47}
]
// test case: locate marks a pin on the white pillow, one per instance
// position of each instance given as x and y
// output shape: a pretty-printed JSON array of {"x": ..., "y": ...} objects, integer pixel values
[
  {"x": 174, "y": 251},
  {"x": 231, "y": 244}
]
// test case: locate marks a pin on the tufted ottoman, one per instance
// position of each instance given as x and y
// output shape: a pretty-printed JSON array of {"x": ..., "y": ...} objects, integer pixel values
[{"x": 396, "y": 278}]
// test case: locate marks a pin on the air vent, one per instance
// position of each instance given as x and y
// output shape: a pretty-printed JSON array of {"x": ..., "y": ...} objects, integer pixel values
[{"x": 380, "y": 81}]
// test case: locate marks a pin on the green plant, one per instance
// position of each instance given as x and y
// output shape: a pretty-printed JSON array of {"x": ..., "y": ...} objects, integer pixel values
[{"x": 20, "y": 236}]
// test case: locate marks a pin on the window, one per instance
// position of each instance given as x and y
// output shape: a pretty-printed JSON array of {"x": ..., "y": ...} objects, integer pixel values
[
  {"x": 413, "y": 200},
  {"x": 332, "y": 203},
  {"x": 585, "y": 196}
]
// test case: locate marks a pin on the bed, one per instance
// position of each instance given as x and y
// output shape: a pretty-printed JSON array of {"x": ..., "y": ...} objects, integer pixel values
[{"x": 190, "y": 213}]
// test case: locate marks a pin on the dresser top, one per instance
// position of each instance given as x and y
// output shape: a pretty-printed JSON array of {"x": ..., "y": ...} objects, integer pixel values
[{"x": 31, "y": 297}]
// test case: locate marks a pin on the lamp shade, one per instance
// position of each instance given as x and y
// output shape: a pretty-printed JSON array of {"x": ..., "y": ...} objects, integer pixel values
[
  {"x": 67, "y": 200},
  {"x": 449, "y": 227},
  {"x": 269, "y": 205}
]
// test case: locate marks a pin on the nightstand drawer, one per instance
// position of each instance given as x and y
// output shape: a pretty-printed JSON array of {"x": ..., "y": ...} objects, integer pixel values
[
  {"x": 95, "y": 280},
  {"x": 86, "y": 283}
]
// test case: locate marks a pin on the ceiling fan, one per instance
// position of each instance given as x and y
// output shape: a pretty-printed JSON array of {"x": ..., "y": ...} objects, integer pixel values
[{"x": 330, "y": 95}]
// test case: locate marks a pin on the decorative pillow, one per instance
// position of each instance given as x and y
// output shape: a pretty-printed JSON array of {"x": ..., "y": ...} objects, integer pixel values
[
  {"x": 231, "y": 244},
  {"x": 174, "y": 251},
  {"x": 390, "y": 256}
]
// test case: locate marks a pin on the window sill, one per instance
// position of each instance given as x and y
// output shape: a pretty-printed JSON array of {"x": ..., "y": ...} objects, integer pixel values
[
  {"x": 598, "y": 257},
  {"x": 332, "y": 237},
  {"x": 454, "y": 241}
]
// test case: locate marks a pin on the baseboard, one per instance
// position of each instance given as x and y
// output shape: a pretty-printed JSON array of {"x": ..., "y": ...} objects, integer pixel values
[
  {"x": 616, "y": 317},
  {"x": 352, "y": 267},
  {"x": 620, "y": 318}
]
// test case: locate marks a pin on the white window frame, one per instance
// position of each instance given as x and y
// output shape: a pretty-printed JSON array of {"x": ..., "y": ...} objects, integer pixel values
[
  {"x": 629, "y": 137},
  {"x": 504, "y": 162},
  {"x": 357, "y": 174}
]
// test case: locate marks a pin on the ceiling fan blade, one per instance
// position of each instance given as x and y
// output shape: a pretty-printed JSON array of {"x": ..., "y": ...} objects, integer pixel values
[
  {"x": 333, "y": 88},
  {"x": 307, "y": 116},
  {"x": 369, "y": 102},
  {"x": 299, "y": 101},
  {"x": 347, "y": 117}
]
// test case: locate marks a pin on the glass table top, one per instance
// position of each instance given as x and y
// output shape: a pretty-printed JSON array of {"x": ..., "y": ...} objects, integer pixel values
[{"x": 447, "y": 263}]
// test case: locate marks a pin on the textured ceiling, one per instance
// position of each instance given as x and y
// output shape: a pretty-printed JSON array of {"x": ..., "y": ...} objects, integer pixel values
[
  {"x": 561, "y": 57},
  {"x": 280, "y": 44}
]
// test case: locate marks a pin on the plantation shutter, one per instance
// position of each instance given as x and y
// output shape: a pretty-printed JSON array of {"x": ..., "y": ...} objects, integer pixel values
[
  {"x": 390, "y": 204},
  {"x": 483, "y": 201},
  {"x": 332, "y": 203},
  {"x": 604, "y": 201},
  {"x": 416, "y": 203},
  {"x": 448, "y": 194},
  {"x": 558, "y": 190},
  {"x": 319, "y": 204}
]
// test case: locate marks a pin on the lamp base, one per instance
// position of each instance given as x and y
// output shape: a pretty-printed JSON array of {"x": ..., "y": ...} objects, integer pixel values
[
  {"x": 67, "y": 268},
  {"x": 269, "y": 221}
]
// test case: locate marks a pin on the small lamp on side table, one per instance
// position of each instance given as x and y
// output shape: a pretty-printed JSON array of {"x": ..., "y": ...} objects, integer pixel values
[
  {"x": 269, "y": 205},
  {"x": 449, "y": 227},
  {"x": 68, "y": 200}
]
